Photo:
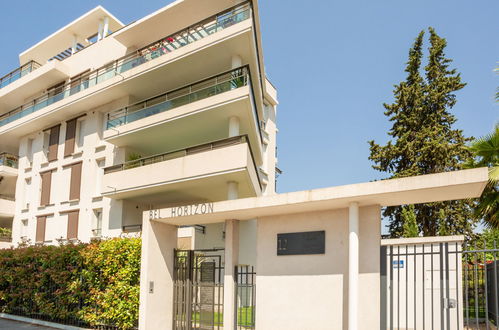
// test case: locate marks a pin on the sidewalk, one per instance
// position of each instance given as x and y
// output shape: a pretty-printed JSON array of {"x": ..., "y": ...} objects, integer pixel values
[{"x": 13, "y": 325}]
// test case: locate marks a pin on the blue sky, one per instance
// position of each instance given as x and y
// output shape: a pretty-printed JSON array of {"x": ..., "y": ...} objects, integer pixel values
[{"x": 334, "y": 64}]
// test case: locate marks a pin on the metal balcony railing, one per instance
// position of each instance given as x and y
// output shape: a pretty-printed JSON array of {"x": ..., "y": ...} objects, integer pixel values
[
  {"x": 166, "y": 45},
  {"x": 205, "y": 88},
  {"x": 5, "y": 234},
  {"x": 18, "y": 73},
  {"x": 8, "y": 198},
  {"x": 9, "y": 160},
  {"x": 132, "y": 228}
]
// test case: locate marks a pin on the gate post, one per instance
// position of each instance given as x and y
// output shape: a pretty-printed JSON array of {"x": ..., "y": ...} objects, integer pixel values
[
  {"x": 231, "y": 260},
  {"x": 159, "y": 241}
]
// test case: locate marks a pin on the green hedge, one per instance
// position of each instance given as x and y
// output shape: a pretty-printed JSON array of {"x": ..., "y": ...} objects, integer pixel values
[{"x": 82, "y": 284}]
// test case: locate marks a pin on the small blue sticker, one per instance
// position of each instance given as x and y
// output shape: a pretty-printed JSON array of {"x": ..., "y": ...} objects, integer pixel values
[{"x": 398, "y": 263}]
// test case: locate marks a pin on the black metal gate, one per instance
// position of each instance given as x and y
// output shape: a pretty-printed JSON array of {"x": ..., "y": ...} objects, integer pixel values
[
  {"x": 245, "y": 297},
  {"x": 421, "y": 287},
  {"x": 198, "y": 289},
  {"x": 480, "y": 277}
]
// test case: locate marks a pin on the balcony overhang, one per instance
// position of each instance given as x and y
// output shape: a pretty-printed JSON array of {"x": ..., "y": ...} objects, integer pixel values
[
  {"x": 200, "y": 176},
  {"x": 36, "y": 81},
  {"x": 83, "y": 27},
  {"x": 412, "y": 190},
  {"x": 7, "y": 208},
  {"x": 191, "y": 124},
  {"x": 154, "y": 77},
  {"x": 8, "y": 171}
]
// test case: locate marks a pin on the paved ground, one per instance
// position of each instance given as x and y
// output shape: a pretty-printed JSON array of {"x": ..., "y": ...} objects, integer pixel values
[{"x": 13, "y": 325}]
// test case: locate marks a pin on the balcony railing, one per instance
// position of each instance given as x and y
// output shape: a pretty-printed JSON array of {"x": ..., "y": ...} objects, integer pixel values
[
  {"x": 9, "y": 160},
  {"x": 221, "y": 83},
  {"x": 132, "y": 228},
  {"x": 5, "y": 234},
  {"x": 97, "y": 232},
  {"x": 18, "y": 73},
  {"x": 8, "y": 198},
  {"x": 157, "y": 49}
]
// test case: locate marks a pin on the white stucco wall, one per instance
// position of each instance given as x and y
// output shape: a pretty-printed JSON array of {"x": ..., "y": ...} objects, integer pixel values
[{"x": 310, "y": 291}]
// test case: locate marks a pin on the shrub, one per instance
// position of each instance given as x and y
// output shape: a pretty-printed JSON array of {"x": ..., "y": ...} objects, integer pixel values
[{"x": 85, "y": 284}]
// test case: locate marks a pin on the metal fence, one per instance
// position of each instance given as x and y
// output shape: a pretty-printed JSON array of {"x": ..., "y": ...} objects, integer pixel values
[
  {"x": 245, "y": 297},
  {"x": 480, "y": 277}
]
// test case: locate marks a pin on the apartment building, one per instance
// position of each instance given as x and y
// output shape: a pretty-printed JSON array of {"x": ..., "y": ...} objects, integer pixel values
[{"x": 103, "y": 121}]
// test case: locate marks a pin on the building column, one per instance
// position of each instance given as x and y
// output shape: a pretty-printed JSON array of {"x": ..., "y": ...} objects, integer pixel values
[
  {"x": 99, "y": 31},
  {"x": 232, "y": 190},
  {"x": 236, "y": 61},
  {"x": 353, "y": 266},
  {"x": 156, "y": 274},
  {"x": 231, "y": 261},
  {"x": 105, "y": 29},
  {"x": 233, "y": 126},
  {"x": 74, "y": 45}
]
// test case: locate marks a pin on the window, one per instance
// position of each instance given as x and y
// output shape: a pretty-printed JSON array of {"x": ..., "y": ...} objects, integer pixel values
[
  {"x": 75, "y": 182},
  {"x": 41, "y": 223},
  {"x": 69, "y": 143},
  {"x": 97, "y": 223},
  {"x": 29, "y": 151},
  {"x": 24, "y": 228},
  {"x": 80, "y": 134},
  {"x": 26, "y": 194},
  {"x": 45, "y": 188},
  {"x": 51, "y": 148},
  {"x": 101, "y": 163},
  {"x": 73, "y": 224}
]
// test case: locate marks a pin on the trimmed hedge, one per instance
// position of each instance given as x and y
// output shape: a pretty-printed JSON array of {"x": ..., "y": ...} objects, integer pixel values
[{"x": 94, "y": 284}]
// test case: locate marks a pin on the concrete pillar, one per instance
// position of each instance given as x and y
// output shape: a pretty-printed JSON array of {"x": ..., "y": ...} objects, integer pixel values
[
  {"x": 74, "y": 44},
  {"x": 105, "y": 30},
  {"x": 231, "y": 260},
  {"x": 99, "y": 31},
  {"x": 233, "y": 126},
  {"x": 236, "y": 61},
  {"x": 232, "y": 190},
  {"x": 353, "y": 266},
  {"x": 156, "y": 274}
]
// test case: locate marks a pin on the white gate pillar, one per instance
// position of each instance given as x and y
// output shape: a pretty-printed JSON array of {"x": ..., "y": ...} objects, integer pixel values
[
  {"x": 353, "y": 266},
  {"x": 231, "y": 260}
]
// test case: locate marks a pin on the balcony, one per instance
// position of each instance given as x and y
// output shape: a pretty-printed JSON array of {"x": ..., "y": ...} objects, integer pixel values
[
  {"x": 8, "y": 164},
  {"x": 160, "y": 48},
  {"x": 198, "y": 173},
  {"x": 222, "y": 83},
  {"x": 188, "y": 116},
  {"x": 18, "y": 73}
]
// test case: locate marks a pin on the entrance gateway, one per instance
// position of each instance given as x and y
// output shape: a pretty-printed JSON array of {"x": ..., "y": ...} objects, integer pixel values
[
  {"x": 198, "y": 291},
  {"x": 336, "y": 287}
]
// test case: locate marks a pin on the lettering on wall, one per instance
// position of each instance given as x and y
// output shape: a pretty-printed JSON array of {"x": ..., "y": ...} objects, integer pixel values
[{"x": 182, "y": 211}]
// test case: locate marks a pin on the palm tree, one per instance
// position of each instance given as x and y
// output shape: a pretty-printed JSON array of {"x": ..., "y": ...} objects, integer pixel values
[{"x": 486, "y": 152}]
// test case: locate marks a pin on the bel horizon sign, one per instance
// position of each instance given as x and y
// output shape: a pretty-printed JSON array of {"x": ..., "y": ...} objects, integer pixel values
[{"x": 182, "y": 211}]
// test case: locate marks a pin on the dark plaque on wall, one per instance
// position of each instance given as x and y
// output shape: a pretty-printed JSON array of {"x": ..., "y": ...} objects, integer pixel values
[{"x": 310, "y": 242}]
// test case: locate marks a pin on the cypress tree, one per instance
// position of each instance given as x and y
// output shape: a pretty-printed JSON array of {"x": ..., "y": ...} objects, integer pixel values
[{"x": 423, "y": 140}]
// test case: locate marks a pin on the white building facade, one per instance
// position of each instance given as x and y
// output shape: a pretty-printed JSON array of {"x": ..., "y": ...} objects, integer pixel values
[{"x": 103, "y": 121}]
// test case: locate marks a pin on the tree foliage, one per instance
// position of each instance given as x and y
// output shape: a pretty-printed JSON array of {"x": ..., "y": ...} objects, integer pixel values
[
  {"x": 410, "y": 224},
  {"x": 486, "y": 154},
  {"x": 423, "y": 140}
]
